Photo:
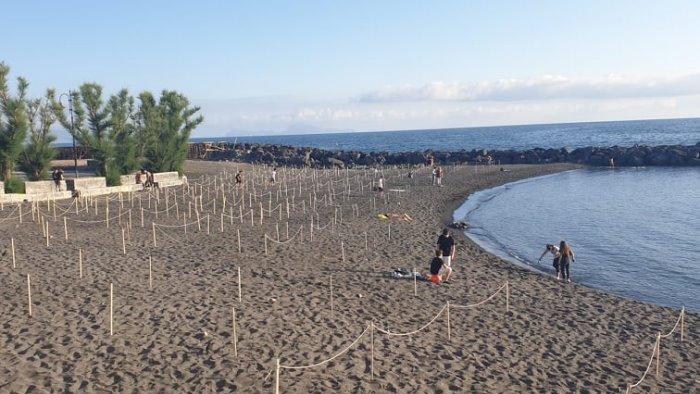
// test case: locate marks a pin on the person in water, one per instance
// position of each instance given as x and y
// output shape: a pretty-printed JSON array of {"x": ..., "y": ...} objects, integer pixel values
[
  {"x": 566, "y": 257},
  {"x": 549, "y": 248}
]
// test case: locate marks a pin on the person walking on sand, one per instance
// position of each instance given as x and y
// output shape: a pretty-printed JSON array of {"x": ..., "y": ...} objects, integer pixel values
[
  {"x": 549, "y": 248},
  {"x": 446, "y": 244},
  {"x": 566, "y": 257},
  {"x": 438, "y": 176},
  {"x": 273, "y": 176}
]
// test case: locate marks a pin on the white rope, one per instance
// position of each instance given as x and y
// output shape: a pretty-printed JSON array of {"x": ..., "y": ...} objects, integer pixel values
[
  {"x": 9, "y": 216},
  {"x": 330, "y": 359},
  {"x": 180, "y": 225},
  {"x": 290, "y": 239},
  {"x": 99, "y": 221},
  {"x": 653, "y": 353},
  {"x": 479, "y": 303},
  {"x": 416, "y": 331},
  {"x": 675, "y": 326}
]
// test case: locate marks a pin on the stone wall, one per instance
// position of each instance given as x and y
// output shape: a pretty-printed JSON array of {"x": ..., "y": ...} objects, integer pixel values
[
  {"x": 667, "y": 155},
  {"x": 281, "y": 155}
]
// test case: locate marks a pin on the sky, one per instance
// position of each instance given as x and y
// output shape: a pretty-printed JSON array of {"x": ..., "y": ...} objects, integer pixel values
[{"x": 292, "y": 67}]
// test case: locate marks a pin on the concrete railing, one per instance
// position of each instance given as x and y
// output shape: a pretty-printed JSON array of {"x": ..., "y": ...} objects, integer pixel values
[
  {"x": 80, "y": 187},
  {"x": 42, "y": 187}
]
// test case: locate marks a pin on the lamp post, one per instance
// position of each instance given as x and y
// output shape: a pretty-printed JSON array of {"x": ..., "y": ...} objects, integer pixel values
[{"x": 70, "y": 111}]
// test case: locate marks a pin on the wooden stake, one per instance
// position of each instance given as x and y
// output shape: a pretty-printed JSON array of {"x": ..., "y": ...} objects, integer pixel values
[
  {"x": 240, "y": 293},
  {"x": 150, "y": 273},
  {"x": 14, "y": 264},
  {"x": 29, "y": 293},
  {"x": 371, "y": 339},
  {"x": 449, "y": 336},
  {"x": 111, "y": 309},
  {"x": 235, "y": 337},
  {"x": 415, "y": 283},
  {"x": 47, "y": 233},
  {"x": 153, "y": 226},
  {"x": 277, "y": 376},
  {"x": 80, "y": 262},
  {"x": 123, "y": 242},
  {"x": 331, "y": 286}
]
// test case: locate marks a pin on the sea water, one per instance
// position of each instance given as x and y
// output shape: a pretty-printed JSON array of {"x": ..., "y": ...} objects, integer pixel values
[
  {"x": 635, "y": 231},
  {"x": 571, "y": 135}
]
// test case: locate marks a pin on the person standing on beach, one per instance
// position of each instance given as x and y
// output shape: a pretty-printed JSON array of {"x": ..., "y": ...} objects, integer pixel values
[
  {"x": 549, "y": 248},
  {"x": 239, "y": 177},
  {"x": 273, "y": 176},
  {"x": 57, "y": 176},
  {"x": 446, "y": 244},
  {"x": 566, "y": 256},
  {"x": 438, "y": 176}
]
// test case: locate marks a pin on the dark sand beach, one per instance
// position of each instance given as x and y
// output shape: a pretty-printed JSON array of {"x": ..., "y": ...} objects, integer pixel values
[{"x": 173, "y": 330}]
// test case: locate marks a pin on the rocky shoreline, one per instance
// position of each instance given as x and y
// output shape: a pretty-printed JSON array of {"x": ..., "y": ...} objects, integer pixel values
[{"x": 283, "y": 155}]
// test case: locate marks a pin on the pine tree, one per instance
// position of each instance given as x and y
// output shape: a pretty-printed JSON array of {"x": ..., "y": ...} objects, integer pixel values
[
  {"x": 166, "y": 126},
  {"x": 38, "y": 153},
  {"x": 13, "y": 122}
]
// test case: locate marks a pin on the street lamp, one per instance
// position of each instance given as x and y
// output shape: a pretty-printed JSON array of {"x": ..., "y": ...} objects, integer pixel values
[{"x": 70, "y": 110}]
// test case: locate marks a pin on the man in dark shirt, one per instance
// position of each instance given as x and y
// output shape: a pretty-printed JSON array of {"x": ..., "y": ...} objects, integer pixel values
[
  {"x": 446, "y": 244},
  {"x": 438, "y": 270}
]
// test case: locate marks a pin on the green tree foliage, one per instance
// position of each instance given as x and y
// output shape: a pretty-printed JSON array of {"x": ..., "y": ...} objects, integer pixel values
[
  {"x": 38, "y": 153},
  {"x": 166, "y": 127},
  {"x": 121, "y": 113},
  {"x": 13, "y": 122}
]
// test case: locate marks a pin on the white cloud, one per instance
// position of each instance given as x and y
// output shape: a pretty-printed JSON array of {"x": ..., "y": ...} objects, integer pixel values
[{"x": 547, "y": 87}]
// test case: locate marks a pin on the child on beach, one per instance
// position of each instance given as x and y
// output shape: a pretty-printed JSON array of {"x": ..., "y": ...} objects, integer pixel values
[{"x": 439, "y": 272}]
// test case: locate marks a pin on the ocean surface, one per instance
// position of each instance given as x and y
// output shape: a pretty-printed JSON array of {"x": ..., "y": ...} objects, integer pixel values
[
  {"x": 572, "y": 135},
  {"x": 635, "y": 231}
]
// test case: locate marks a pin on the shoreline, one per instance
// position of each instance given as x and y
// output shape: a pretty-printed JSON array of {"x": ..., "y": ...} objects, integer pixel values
[{"x": 177, "y": 336}]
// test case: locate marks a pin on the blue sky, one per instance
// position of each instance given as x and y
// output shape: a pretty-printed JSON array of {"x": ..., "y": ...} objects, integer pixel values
[{"x": 272, "y": 67}]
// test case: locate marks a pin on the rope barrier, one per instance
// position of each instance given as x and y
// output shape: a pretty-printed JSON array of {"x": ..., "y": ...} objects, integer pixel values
[
  {"x": 330, "y": 359},
  {"x": 290, "y": 239},
  {"x": 653, "y": 353},
  {"x": 481, "y": 302},
  {"x": 415, "y": 331},
  {"x": 657, "y": 347},
  {"x": 99, "y": 221}
]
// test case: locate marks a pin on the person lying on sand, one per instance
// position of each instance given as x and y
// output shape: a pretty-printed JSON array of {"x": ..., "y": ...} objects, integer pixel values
[
  {"x": 395, "y": 216},
  {"x": 460, "y": 225}
]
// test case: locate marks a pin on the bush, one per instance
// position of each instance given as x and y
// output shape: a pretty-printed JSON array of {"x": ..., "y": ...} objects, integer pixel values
[
  {"x": 14, "y": 185},
  {"x": 113, "y": 177}
]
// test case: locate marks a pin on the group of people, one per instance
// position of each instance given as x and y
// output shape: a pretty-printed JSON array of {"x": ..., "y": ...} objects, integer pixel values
[
  {"x": 145, "y": 178},
  {"x": 563, "y": 257}
]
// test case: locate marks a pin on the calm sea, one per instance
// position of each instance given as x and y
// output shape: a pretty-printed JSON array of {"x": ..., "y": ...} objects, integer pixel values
[
  {"x": 635, "y": 231},
  {"x": 573, "y": 135}
]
